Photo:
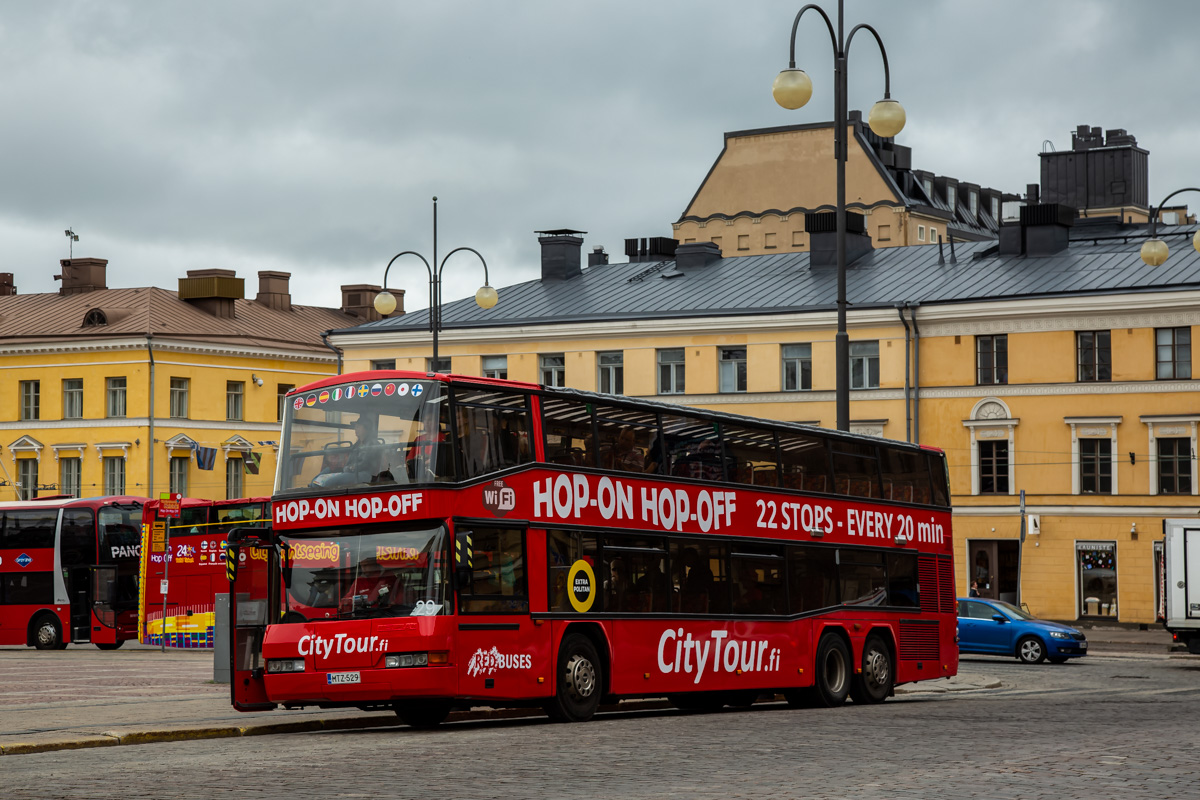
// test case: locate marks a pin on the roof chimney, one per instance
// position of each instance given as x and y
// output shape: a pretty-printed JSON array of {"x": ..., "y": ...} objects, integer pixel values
[
  {"x": 821, "y": 228},
  {"x": 696, "y": 254},
  {"x": 1044, "y": 230},
  {"x": 81, "y": 275},
  {"x": 6, "y": 284},
  {"x": 214, "y": 291},
  {"x": 273, "y": 290},
  {"x": 358, "y": 300},
  {"x": 561, "y": 253},
  {"x": 654, "y": 248},
  {"x": 1103, "y": 169},
  {"x": 597, "y": 257}
]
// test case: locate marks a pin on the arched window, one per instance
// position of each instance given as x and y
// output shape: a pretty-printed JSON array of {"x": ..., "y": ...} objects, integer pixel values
[{"x": 94, "y": 318}]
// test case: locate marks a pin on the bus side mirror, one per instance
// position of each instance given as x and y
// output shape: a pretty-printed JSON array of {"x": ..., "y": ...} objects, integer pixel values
[{"x": 999, "y": 618}]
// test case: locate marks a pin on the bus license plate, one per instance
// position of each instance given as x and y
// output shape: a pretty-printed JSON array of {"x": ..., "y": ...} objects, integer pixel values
[{"x": 342, "y": 677}]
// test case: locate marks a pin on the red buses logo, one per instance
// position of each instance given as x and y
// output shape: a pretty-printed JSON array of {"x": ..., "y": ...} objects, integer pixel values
[
  {"x": 499, "y": 498},
  {"x": 486, "y": 662}
]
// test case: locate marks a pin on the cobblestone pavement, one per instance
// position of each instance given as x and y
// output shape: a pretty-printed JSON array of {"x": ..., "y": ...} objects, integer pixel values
[{"x": 1103, "y": 727}]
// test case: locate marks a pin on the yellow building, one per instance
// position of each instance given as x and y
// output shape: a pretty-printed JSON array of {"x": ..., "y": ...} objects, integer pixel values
[{"x": 126, "y": 391}]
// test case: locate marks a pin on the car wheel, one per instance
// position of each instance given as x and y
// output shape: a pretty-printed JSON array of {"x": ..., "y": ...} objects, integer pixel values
[
  {"x": 580, "y": 681},
  {"x": 1057, "y": 659},
  {"x": 833, "y": 671},
  {"x": 47, "y": 633},
  {"x": 874, "y": 683},
  {"x": 110, "y": 645},
  {"x": 1031, "y": 650},
  {"x": 423, "y": 714}
]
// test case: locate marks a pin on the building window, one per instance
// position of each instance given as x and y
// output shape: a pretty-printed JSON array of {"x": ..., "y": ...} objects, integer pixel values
[
  {"x": 993, "y": 467},
  {"x": 952, "y": 197},
  {"x": 116, "y": 397},
  {"x": 179, "y": 398},
  {"x": 1095, "y": 466},
  {"x": 973, "y": 197},
  {"x": 1097, "y": 569},
  {"x": 1174, "y": 466},
  {"x": 73, "y": 398},
  {"x": 797, "y": 367},
  {"x": 234, "y": 391},
  {"x": 554, "y": 369},
  {"x": 933, "y": 235},
  {"x": 671, "y": 371},
  {"x": 996, "y": 208},
  {"x": 991, "y": 358},
  {"x": 31, "y": 400},
  {"x": 179, "y": 474},
  {"x": 114, "y": 474},
  {"x": 612, "y": 372},
  {"x": 920, "y": 233},
  {"x": 281, "y": 391},
  {"x": 732, "y": 370},
  {"x": 442, "y": 365},
  {"x": 233, "y": 478},
  {"x": 864, "y": 365},
  {"x": 928, "y": 183},
  {"x": 1173, "y": 352},
  {"x": 384, "y": 363},
  {"x": 1095, "y": 357},
  {"x": 495, "y": 367},
  {"x": 70, "y": 476},
  {"x": 27, "y": 477}
]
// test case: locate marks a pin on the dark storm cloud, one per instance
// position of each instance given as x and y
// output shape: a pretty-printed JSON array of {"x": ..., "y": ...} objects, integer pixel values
[{"x": 310, "y": 136}]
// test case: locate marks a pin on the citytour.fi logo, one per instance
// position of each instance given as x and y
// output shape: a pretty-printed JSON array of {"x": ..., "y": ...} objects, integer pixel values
[{"x": 486, "y": 662}]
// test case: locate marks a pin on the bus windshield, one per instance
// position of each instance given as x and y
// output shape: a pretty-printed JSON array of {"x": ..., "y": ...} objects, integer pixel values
[
  {"x": 393, "y": 574},
  {"x": 366, "y": 434}
]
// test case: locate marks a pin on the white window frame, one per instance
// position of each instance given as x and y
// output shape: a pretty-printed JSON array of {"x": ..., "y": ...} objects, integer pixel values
[
  {"x": 72, "y": 399},
  {"x": 991, "y": 419},
  {"x": 444, "y": 362},
  {"x": 920, "y": 233},
  {"x": 28, "y": 489},
  {"x": 115, "y": 397},
  {"x": 114, "y": 474},
  {"x": 234, "y": 484},
  {"x": 235, "y": 401},
  {"x": 495, "y": 367},
  {"x": 1170, "y": 426},
  {"x": 1093, "y": 428},
  {"x": 676, "y": 370},
  {"x": 179, "y": 469},
  {"x": 179, "y": 397},
  {"x": 31, "y": 400},
  {"x": 70, "y": 464},
  {"x": 866, "y": 366},
  {"x": 556, "y": 372},
  {"x": 614, "y": 371},
  {"x": 785, "y": 358}
]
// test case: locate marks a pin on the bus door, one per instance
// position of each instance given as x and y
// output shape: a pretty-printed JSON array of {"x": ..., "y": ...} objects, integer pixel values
[
  {"x": 501, "y": 651},
  {"x": 104, "y": 601},
  {"x": 77, "y": 554},
  {"x": 252, "y": 566}
]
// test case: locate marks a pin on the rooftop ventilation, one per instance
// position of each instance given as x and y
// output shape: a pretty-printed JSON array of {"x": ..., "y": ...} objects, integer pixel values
[
  {"x": 821, "y": 228},
  {"x": 652, "y": 248},
  {"x": 562, "y": 253},
  {"x": 80, "y": 275},
  {"x": 273, "y": 290},
  {"x": 214, "y": 291},
  {"x": 6, "y": 284}
]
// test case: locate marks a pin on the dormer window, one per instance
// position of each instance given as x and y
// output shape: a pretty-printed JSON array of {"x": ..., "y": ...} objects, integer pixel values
[
  {"x": 929, "y": 188},
  {"x": 995, "y": 207},
  {"x": 974, "y": 200},
  {"x": 94, "y": 318},
  {"x": 952, "y": 197}
]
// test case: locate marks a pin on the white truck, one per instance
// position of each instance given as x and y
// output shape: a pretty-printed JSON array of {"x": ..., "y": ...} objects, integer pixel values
[{"x": 1181, "y": 580}]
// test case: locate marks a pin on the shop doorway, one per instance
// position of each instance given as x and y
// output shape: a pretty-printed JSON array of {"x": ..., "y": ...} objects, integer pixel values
[
  {"x": 993, "y": 565},
  {"x": 1096, "y": 565}
]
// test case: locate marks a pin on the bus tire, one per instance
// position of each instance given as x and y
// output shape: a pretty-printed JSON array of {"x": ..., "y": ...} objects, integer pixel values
[
  {"x": 580, "y": 680},
  {"x": 697, "y": 701},
  {"x": 832, "y": 671},
  {"x": 110, "y": 645},
  {"x": 874, "y": 683},
  {"x": 422, "y": 714},
  {"x": 45, "y": 632}
]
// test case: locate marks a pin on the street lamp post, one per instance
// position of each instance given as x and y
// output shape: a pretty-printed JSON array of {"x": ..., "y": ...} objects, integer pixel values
[
  {"x": 792, "y": 89},
  {"x": 1154, "y": 249},
  {"x": 485, "y": 297}
]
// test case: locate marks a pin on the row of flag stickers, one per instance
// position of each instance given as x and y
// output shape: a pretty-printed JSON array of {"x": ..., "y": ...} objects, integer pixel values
[{"x": 361, "y": 390}]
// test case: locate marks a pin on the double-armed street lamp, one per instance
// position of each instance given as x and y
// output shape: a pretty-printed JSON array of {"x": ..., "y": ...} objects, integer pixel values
[
  {"x": 1155, "y": 250},
  {"x": 485, "y": 297},
  {"x": 792, "y": 89}
]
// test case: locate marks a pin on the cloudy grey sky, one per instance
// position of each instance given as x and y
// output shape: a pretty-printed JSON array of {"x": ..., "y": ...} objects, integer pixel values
[{"x": 309, "y": 137}]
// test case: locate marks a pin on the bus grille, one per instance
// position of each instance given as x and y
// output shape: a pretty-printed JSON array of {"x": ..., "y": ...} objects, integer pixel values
[
  {"x": 919, "y": 640},
  {"x": 949, "y": 602},
  {"x": 927, "y": 578}
]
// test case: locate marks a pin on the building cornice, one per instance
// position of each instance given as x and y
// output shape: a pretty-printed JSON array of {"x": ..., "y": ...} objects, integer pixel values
[
  {"x": 165, "y": 345},
  {"x": 137, "y": 422},
  {"x": 1014, "y": 510}
]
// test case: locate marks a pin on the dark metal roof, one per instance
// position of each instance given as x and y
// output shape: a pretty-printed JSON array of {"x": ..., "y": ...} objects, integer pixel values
[{"x": 785, "y": 283}]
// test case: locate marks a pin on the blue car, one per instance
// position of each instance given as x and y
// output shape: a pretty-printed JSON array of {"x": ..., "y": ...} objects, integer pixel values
[{"x": 996, "y": 628}]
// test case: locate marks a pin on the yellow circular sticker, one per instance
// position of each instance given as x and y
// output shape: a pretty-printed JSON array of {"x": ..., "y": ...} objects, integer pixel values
[{"x": 582, "y": 586}]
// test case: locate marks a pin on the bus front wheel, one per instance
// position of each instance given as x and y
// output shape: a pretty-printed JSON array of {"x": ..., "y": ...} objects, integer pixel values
[
  {"x": 832, "y": 671},
  {"x": 47, "y": 633},
  {"x": 580, "y": 681},
  {"x": 423, "y": 714}
]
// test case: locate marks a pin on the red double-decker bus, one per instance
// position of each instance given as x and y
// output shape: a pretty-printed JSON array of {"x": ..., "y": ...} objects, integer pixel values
[
  {"x": 69, "y": 571},
  {"x": 442, "y": 541}
]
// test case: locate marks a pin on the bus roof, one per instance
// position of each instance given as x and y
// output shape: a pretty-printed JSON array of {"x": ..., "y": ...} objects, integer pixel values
[
  {"x": 75, "y": 502},
  {"x": 403, "y": 375}
]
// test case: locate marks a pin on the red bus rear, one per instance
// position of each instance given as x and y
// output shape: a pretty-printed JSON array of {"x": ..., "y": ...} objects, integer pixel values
[
  {"x": 443, "y": 541},
  {"x": 69, "y": 571}
]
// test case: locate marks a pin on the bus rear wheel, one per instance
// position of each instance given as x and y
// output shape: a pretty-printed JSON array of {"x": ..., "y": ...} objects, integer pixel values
[
  {"x": 874, "y": 683},
  {"x": 832, "y": 672},
  {"x": 110, "y": 645},
  {"x": 47, "y": 633},
  {"x": 580, "y": 681},
  {"x": 423, "y": 714}
]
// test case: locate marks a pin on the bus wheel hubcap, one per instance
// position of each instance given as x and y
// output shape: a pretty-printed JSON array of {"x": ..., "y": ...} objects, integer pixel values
[
  {"x": 876, "y": 670},
  {"x": 581, "y": 677},
  {"x": 45, "y": 633}
]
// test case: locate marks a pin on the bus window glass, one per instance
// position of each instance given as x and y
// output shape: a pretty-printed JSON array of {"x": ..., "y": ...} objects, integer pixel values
[
  {"x": 626, "y": 439},
  {"x": 78, "y": 537},
  {"x": 902, "y": 580},
  {"x": 497, "y": 584},
  {"x": 366, "y": 434},
  {"x": 756, "y": 575},
  {"x": 750, "y": 455},
  {"x": 855, "y": 469},
  {"x": 29, "y": 528},
  {"x": 863, "y": 580},
  {"x": 699, "y": 577},
  {"x": 192, "y": 520},
  {"x": 492, "y": 429},
  {"x": 570, "y": 438},
  {"x": 239, "y": 515},
  {"x": 805, "y": 462},
  {"x": 812, "y": 578},
  {"x": 27, "y": 588},
  {"x": 564, "y": 550},
  {"x": 692, "y": 448},
  {"x": 937, "y": 473},
  {"x": 635, "y": 574},
  {"x": 120, "y": 529},
  {"x": 905, "y": 475}
]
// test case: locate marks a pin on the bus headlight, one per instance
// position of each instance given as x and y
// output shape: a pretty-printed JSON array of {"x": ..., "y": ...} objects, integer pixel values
[
  {"x": 399, "y": 660},
  {"x": 277, "y": 665}
]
